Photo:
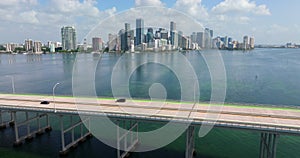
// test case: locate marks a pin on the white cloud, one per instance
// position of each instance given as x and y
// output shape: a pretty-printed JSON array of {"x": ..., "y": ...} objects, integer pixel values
[
  {"x": 29, "y": 17},
  {"x": 192, "y": 7},
  {"x": 139, "y": 3},
  {"x": 10, "y": 3},
  {"x": 76, "y": 7},
  {"x": 246, "y": 6}
]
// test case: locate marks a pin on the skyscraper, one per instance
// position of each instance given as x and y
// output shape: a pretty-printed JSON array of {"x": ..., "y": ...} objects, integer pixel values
[
  {"x": 208, "y": 37},
  {"x": 150, "y": 37},
  {"x": 252, "y": 42},
  {"x": 127, "y": 36},
  {"x": 68, "y": 35},
  {"x": 139, "y": 31},
  {"x": 123, "y": 40},
  {"x": 174, "y": 35},
  {"x": 200, "y": 39},
  {"x": 246, "y": 42},
  {"x": 97, "y": 44}
]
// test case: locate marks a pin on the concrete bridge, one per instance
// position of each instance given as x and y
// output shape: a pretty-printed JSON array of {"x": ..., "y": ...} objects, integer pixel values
[{"x": 270, "y": 121}]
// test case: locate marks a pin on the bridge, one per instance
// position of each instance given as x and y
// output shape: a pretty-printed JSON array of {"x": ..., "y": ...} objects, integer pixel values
[{"x": 270, "y": 121}]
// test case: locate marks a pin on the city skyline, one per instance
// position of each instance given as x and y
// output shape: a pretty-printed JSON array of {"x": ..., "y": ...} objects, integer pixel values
[{"x": 263, "y": 19}]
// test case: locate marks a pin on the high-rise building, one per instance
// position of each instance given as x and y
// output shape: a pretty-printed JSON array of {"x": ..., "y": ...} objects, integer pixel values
[
  {"x": 173, "y": 34},
  {"x": 252, "y": 42},
  {"x": 200, "y": 39},
  {"x": 150, "y": 38},
  {"x": 194, "y": 37},
  {"x": 123, "y": 40},
  {"x": 127, "y": 37},
  {"x": 97, "y": 44},
  {"x": 68, "y": 35},
  {"x": 37, "y": 47},
  {"x": 164, "y": 34},
  {"x": 208, "y": 37},
  {"x": 180, "y": 34},
  {"x": 52, "y": 48},
  {"x": 139, "y": 31},
  {"x": 28, "y": 45},
  {"x": 112, "y": 42},
  {"x": 245, "y": 42}
]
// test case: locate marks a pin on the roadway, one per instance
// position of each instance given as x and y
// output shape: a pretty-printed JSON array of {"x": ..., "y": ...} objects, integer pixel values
[{"x": 263, "y": 118}]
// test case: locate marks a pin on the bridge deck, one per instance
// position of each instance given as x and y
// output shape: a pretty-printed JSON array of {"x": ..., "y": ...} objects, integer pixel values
[{"x": 282, "y": 120}]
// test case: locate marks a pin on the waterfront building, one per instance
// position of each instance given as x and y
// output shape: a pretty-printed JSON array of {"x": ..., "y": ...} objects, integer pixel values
[
  {"x": 194, "y": 37},
  {"x": 207, "y": 36},
  {"x": 230, "y": 40},
  {"x": 139, "y": 31},
  {"x": 173, "y": 35},
  {"x": 200, "y": 39},
  {"x": 164, "y": 34},
  {"x": 150, "y": 38},
  {"x": 180, "y": 34},
  {"x": 123, "y": 41},
  {"x": 127, "y": 37},
  {"x": 68, "y": 35},
  {"x": 112, "y": 42},
  {"x": 52, "y": 48},
  {"x": 252, "y": 43},
  {"x": 97, "y": 44},
  {"x": 37, "y": 47},
  {"x": 246, "y": 42},
  {"x": 8, "y": 47},
  {"x": 132, "y": 46},
  {"x": 28, "y": 45}
]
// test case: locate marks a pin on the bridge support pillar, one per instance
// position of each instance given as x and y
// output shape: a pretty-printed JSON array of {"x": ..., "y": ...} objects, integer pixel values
[
  {"x": 268, "y": 144},
  {"x": 71, "y": 130},
  {"x": 128, "y": 140},
  {"x": 4, "y": 122},
  {"x": 190, "y": 142},
  {"x": 27, "y": 124}
]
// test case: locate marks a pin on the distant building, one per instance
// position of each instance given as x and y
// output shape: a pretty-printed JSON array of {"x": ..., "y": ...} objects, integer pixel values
[
  {"x": 139, "y": 31},
  {"x": 97, "y": 44},
  {"x": 194, "y": 37},
  {"x": 28, "y": 45},
  {"x": 123, "y": 40},
  {"x": 127, "y": 36},
  {"x": 68, "y": 35},
  {"x": 252, "y": 43},
  {"x": 8, "y": 47},
  {"x": 208, "y": 38},
  {"x": 200, "y": 40},
  {"x": 180, "y": 34},
  {"x": 164, "y": 34},
  {"x": 173, "y": 35},
  {"x": 150, "y": 38},
  {"x": 112, "y": 42},
  {"x": 246, "y": 42},
  {"x": 52, "y": 48},
  {"x": 37, "y": 47}
]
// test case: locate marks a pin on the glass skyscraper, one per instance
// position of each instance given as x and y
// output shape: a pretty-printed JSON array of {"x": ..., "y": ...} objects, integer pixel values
[
  {"x": 68, "y": 35},
  {"x": 139, "y": 31}
]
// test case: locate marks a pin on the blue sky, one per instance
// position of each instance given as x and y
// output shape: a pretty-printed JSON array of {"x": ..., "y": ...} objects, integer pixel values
[{"x": 270, "y": 22}]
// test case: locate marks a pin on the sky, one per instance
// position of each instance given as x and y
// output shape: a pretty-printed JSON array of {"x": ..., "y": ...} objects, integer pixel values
[{"x": 269, "y": 21}]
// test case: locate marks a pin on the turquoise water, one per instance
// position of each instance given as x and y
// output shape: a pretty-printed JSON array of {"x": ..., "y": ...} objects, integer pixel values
[{"x": 262, "y": 76}]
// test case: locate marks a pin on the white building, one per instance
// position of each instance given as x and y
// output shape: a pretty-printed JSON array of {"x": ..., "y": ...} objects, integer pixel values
[
  {"x": 37, "y": 47},
  {"x": 28, "y": 45}
]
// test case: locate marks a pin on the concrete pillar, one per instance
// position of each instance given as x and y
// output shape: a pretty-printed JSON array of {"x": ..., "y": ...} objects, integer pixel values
[{"x": 190, "y": 142}]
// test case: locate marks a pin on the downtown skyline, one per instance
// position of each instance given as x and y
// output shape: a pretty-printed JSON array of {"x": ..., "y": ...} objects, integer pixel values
[{"x": 38, "y": 19}]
